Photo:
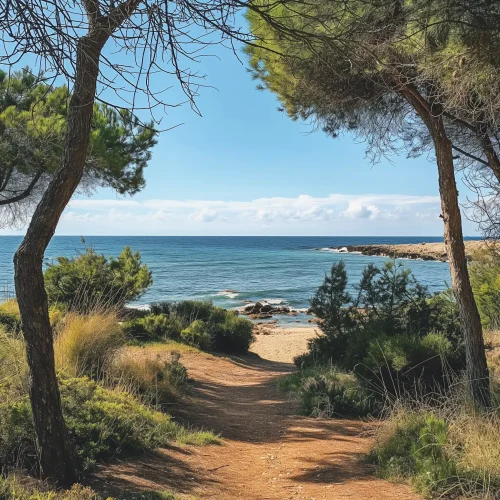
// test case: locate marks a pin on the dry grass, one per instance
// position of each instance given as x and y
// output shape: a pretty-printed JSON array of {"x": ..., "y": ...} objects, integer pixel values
[
  {"x": 157, "y": 380},
  {"x": 13, "y": 365},
  {"x": 10, "y": 307},
  {"x": 492, "y": 341},
  {"x": 463, "y": 446},
  {"x": 87, "y": 344}
]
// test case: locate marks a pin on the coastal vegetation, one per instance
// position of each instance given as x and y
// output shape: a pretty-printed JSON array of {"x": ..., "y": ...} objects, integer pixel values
[
  {"x": 417, "y": 75},
  {"x": 196, "y": 323},
  {"x": 396, "y": 352},
  {"x": 113, "y": 402},
  {"x": 90, "y": 280},
  {"x": 401, "y": 87}
]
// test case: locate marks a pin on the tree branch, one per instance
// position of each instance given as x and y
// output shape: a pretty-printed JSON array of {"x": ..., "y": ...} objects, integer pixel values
[{"x": 25, "y": 193}]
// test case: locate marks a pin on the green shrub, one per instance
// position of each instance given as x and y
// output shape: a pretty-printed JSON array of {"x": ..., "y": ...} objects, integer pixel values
[
  {"x": 101, "y": 423},
  {"x": 162, "y": 307},
  {"x": 196, "y": 323},
  {"x": 401, "y": 361},
  {"x": 484, "y": 274},
  {"x": 234, "y": 335},
  {"x": 387, "y": 333},
  {"x": 158, "y": 381},
  {"x": 416, "y": 449},
  {"x": 197, "y": 335},
  {"x": 192, "y": 310},
  {"x": 90, "y": 280},
  {"x": 156, "y": 326},
  {"x": 327, "y": 392}
]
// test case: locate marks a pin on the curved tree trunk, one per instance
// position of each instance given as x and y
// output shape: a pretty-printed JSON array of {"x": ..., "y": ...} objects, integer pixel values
[
  {"x": 55, "y": 456},
  {"x": 476, "y": 365}
]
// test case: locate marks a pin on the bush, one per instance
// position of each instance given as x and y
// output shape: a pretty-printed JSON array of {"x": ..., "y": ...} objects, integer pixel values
[
  {"x": 157, "y": 381},
  {"x": 90, "y": 280},
  {"x": 327, "y": 392},
  {"x": 101, "y": 423},
  {"x": 192, "y": 310},
  {"x": 196, "y": 323},
  {"x": 87, "y": 344},
  {"x": 197, "y": 335},
  {"x": 387, "y": 334},
  {"x": 403, "y": 361},
  {"x": 484, "y": 274},
  {"x": 234, "y": 335},
  {"x": 442, "y": 445},
  {"x": 162, "y": 307},
  {"x": 416, "y": 449},
  {"x": 156, "y": 326}
]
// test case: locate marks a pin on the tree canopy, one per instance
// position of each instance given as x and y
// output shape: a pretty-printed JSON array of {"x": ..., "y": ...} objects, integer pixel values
[
  {"x": 33, "y": 124},
  {"x": 343, "y": 63},
  {"x": 415, "y": 75}
]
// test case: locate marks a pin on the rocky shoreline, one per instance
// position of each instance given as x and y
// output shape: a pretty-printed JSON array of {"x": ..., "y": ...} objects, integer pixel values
[
  {"x": 415, "y": 251},
  {"x": 261, "y": 310}
]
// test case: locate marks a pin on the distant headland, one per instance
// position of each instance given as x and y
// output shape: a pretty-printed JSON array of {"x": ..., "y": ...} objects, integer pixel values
[{"x": 416, "y": 251}]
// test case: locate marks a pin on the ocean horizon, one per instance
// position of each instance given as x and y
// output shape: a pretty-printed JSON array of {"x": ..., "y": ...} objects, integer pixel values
[{"x": 232, "y": 271}]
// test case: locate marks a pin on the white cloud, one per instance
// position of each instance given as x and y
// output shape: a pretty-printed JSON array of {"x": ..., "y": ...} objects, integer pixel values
[
  {"x": 205, "y": 215},
  {"x": 389, "y": 214},
  {"x": 356, "y": 210}
]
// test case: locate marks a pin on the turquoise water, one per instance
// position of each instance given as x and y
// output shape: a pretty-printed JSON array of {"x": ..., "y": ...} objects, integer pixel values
[{"x": 283, "y": 270}]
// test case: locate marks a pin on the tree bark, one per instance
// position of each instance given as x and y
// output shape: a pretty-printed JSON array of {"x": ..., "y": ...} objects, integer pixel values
[
  {"x": 54, "y": 452},
  {"x": 476, "y": 366}
]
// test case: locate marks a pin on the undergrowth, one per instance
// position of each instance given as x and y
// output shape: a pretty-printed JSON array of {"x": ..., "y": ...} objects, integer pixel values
[
  {"x": 17, "y": 487},
  {"x": 325, "y": 391},
  {"x": 443, "y": 446}
]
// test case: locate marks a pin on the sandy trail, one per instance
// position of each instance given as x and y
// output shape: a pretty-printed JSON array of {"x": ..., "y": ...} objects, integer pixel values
[{"x": 268, "y": 453}]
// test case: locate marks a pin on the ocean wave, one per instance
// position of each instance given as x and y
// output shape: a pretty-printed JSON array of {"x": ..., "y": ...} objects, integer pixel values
[
  {"x": 273, "y": 302},
  {"x": 139, "y": 307},
  {"x": 230, "y": 294},
  {"x": 337, "y": 250}
]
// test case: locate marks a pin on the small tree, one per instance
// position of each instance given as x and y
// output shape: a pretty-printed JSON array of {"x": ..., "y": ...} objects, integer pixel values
[
  {"x": 395, "y": 301},
  {"x": 333, "y": 305},
  {"x": 33, "y": 124},
  {"x": 90, "y": 280}
]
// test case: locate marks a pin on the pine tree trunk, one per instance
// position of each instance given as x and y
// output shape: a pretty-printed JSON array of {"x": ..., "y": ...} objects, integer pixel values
[
  {"x": 54, "y": 451},
  {"x": 476, "y": 367}
]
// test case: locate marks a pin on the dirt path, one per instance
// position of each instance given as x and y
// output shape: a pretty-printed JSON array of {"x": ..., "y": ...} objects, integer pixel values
[{"x": 268, "y": 451}]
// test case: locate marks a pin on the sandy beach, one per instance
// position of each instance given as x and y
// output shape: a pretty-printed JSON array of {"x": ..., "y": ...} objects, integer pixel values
[{"x": 282, "y": 344}]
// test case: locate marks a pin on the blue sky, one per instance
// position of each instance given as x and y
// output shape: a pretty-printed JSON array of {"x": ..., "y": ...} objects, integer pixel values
[{"x": 243, "y": 168}]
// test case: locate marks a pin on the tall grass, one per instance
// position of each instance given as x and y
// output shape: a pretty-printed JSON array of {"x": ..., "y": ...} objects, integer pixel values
[
  {"x": 442, "y": 444},
  {"x": 157, "y": 381},
  {"x": 86, "y": 345},
  {"x": 13, "y": 365},
  {"x": 115, "y": 413}
]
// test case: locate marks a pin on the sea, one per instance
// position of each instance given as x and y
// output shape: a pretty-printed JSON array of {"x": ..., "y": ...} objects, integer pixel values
[{"x": 232, "y": 271}]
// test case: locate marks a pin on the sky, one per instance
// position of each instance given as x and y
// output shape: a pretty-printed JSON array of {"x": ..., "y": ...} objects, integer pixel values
[{"x": 244, "y": 168}]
